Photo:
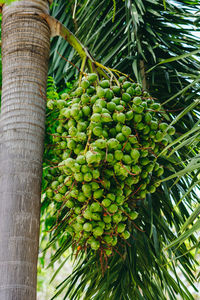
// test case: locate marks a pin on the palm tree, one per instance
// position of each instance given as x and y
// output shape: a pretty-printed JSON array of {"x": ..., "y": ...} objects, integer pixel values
[
  {"x": 144, "y": 34},
  {"x": 25, "y": 53}
]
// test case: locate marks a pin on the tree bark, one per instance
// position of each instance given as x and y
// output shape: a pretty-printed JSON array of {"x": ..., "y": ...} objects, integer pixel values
[{"x": 25, "y": 53}]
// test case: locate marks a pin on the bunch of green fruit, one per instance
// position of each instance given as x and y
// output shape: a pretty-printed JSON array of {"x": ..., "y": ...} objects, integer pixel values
[{"x": 107, "y": 141}]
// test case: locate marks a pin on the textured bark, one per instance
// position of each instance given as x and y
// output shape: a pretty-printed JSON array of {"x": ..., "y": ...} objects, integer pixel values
[{"x": 25, "y": 52}]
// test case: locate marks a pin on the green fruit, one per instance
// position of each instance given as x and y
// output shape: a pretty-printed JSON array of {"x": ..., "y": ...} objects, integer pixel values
[
  {"x": 108, "y": 226},
  {"x": 96, "y": 117},
  {"x": 86, "y": 188},
  {"x": 98, "y": 231},
  {"x": 129, "y": 115},
  {"x": 138, "y": 91},
  {"x": 72, "y": 131},
  {"x": 155, "y": 106},
  {"x": 113, "y": 208},
  {"x": 100, "y": 92},
  {"x": 105, "y": 134},
  {"x": 107, "y": 219},
  {"x": 117, "y": 218},
  {"x": 65, "y": 112},
  {"x": 58, "y": 197},
  {"x": 151, "y": 189},
  {"x": 95, "y": 207},
  {"x": 133, "y": 215},
  {"x": 78, "y": 227},
  {"x": 81, "y": 137},
  {"x": 85, "y": 84},
  {"x": 121, "y": 117},
  {"x": 71, "y": 144},
  {"x": 159, "y": 136},
  {"x": 87, "y": 227},
  {"x": 92, "y": 157},
  {"x": 135, "y": 154},
  {"x": 137, "y": 118},
  {"x": 96, "y": 216},
  {"x": 87, "y": 214},
  {"x": 101, "y": 102},
  {"x": 130, "y": 90},
  {"x": 126, "y": 85},
  {"x": 126, "y": 130},
  {"x": 108, "y": 252},
  {"x": 85, "y": 98},
  {"x": 77, "y": 210},
  {"x": 86, "y": 110},
  {"x": 54, "y": 185},
  {"x": 98, "y": 193},
  {"x": 116, "y": 89},
  {"x": 118, "y": 154},
  {"x": 122, "y": 79},
  {"x": 121, "y": 227},
  {"x": 146, "y": 130},
  {"x": 49, "y": 193},
  {"x": 142, "y": 194},
  {"x": 50, "y": 104},
  {"x": 163, "y": 126},
  {"x": 144, "y": 161},
  {"x": 154, "y": 125},
  {"x": 90, "y": 90},
  {"x": 119, "y": 107},
  {"x": 108, "y": 239},
  {"x": 62, "y": 189},
  {"x": 114, "y": 241},
  {"x": 112, "y": 143},
  {"x": 87, "y": 177},
  {"x": 160, "y": 171},
  {"x": 126, "y": 97},
  {"x": 137, "y": 108},
  {"x": 97, "y": 108},
  {"x": 70, "y": 203},
  {"x": 111, "y": 196},
  {"x": 106, "y": 202},
  {"x": 116, "y": 100},
  {"x": 105, "y": 117},
  {"x": 60, "y": 104},
  {"x": 120, "y": 200},
  {"x": 127, "y": 159},
  {"x": 171, "y": 130},
  {"x": 97, "y": 131},
  {"x": 120, "y": 137},
  {"x": 111, "y": 106},
  {"x": 95, "y": 245},
  {"x": 95, "y": 174},
  {"x": 147, "y": 117},
  {"x": 81, "y": 159},
  {"x": 85, "y": 169},
  {"x": 104, "y": 84},
  {"x": 137, "y": 100},
  {"x": 109, "y": 157},
  {"x": 109, "y": 94},
  {"x": 95, "y": 186},
  {"x": 126, "y": 235},
  {"x": 92, "y": 77}
]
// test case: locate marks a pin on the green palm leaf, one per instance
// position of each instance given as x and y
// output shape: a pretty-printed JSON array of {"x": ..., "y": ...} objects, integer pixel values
[{"x": 156, "y": 36}]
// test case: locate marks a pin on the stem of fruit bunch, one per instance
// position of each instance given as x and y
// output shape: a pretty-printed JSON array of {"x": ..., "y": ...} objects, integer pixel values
[
  {"x": 88, "y": 141},
  {"x": 84, "y": 60},
  {"x": 58, "y": 29}
]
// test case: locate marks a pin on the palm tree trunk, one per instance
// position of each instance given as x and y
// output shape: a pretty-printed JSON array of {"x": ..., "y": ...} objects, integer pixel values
[{"x": 25, "y": 53}]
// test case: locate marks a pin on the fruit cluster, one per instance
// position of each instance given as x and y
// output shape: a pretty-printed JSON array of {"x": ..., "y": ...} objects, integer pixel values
[{"x": 107, "y": 141}]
